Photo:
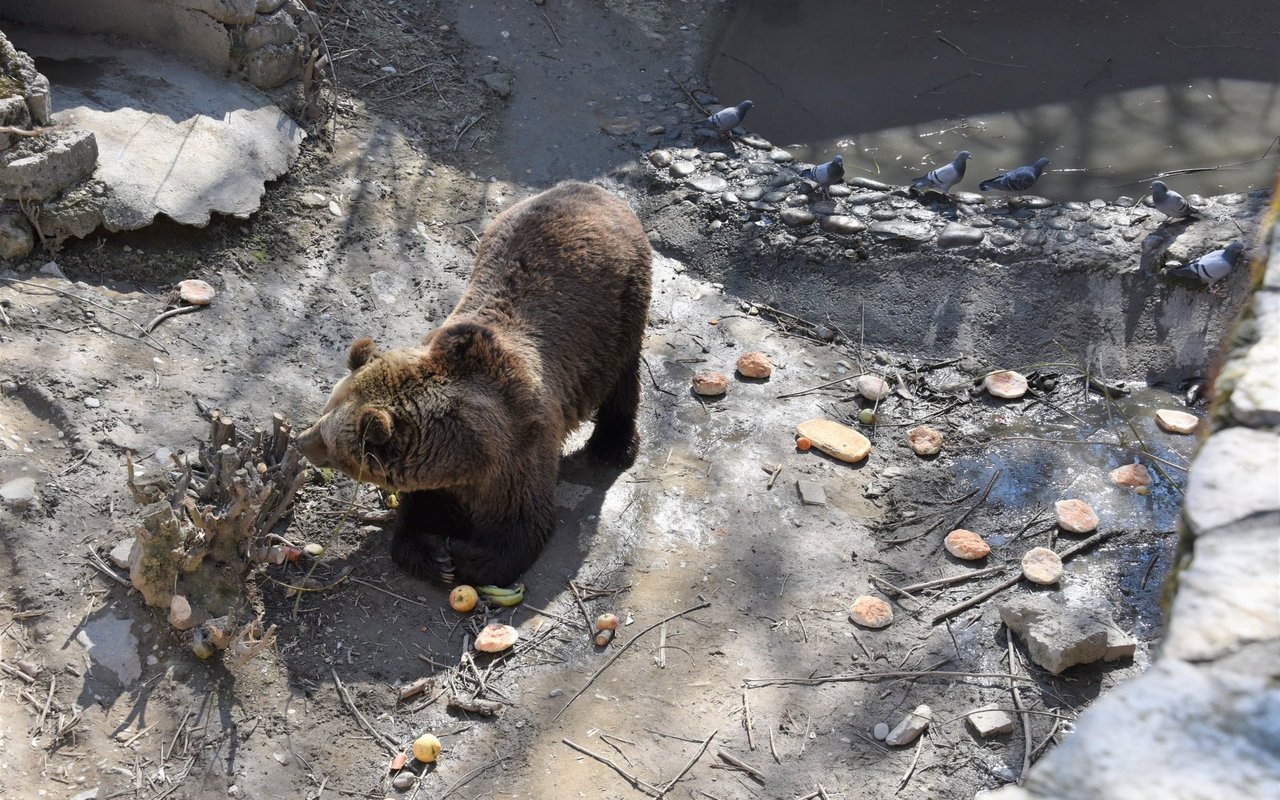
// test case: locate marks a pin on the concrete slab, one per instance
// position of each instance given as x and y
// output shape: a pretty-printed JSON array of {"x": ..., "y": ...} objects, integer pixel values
[{"x": 171, "y": 140}]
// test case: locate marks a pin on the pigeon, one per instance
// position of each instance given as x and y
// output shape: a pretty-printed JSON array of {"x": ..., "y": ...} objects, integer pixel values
[
  {"x": 826, "y": 174},
  {"x": 1210, "y": 267},
  {"x": 943, "y": 178},
  {"x": 1016, "y": 181},
  {"x": 726, "y": 119},
  {"x": 1169, "y": 202}
]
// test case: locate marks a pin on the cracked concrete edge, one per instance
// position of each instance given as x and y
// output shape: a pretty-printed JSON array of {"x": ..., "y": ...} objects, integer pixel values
[{"x": 1202, "y": 722}]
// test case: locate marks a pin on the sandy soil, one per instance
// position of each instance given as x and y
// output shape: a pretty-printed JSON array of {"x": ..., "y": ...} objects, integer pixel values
[{"x": 709, "y": 517}]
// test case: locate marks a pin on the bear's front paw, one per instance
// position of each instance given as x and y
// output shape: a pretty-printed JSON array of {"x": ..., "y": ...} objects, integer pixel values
[{"x": 425, "y": 557}]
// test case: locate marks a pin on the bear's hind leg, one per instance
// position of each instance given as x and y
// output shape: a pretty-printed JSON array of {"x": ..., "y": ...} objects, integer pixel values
[
  {"x": 615, "y": 440},
  {"x": 425, "y": 521}
]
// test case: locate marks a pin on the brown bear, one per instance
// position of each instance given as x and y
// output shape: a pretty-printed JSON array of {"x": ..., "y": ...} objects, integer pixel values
[{"x": 468, "y": 424}]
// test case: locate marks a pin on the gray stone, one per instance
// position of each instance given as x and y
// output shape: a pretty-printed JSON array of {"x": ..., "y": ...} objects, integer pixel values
[
  {"x": 824, "y": 208},
  {"x": 660, "y": 158},
  {"x": 267, "y": 6},
  {"x": 868, "y": 183},
  {"x": 16, "y": 237},
  {"x": 866, "y": 198},
  {"x": 839, "y": 190},
  {"x": 990, "y": 721},
  {"x": 969, "y": 198},
  {"x": 121, "y": 554},
  {"x": 708, "y": 184},
  {"x": 92, "y": 402},
  {"x": 780, "y": 156},
  {"x": 1255, "y": 398},
  {"x": 956, "y": 235},
  {"x": 751, "y": 193},
  {"x": 776, "y": 197},
  {"x": 37, "y": 168},
  {"x": 277, "y": 28},
  {"x": 501, "y": 82},
  {"x": 682, "y": 169},
  {"x": 1061, "y": 224},
  {"x": 758, "y": 142},
  {"x": 273, "y": 65},
  {"x": 811, "y": 492},
  {"x": 910, "y": 728},
  {"x": 1233, "y": 477},
  {"x": 882, "y": 214},
  {"x": 1008, "y": 224},
  {"x": 842, "y": 224},
  {"x": 1035, "y": 238},
  {"x": 797, "y": 216},
  {"x": 19, "y": 493},
  {"x": 1177, "y": 731},
  {"x": 1032, "y": 201},
  {"x": 911, "y": 232},
  {"x": 1000, "y": 239},
  {"x": 1059, "y": 637},
  {"x": 403, "y": 781},
  {"x": 230, "y": 12},
  {"x": 52, "y": 270},
  {"x": 729, "y": 199},
  {"x": 880, "y": 731}
]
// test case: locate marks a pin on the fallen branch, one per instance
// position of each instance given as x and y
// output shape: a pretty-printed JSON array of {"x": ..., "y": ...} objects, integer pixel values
[
  {"x": 643, "y": 786},
  {"x": 994, "y": 590},
  {"x": 757, "y": 683},
  {"x": 12, "y": 131},
  {"x": 1022, "y": 714},
  {"x": 173, "y": 312},
  {"x": 623, "y": 649},
  {"x": 911, "y": 768},
  {"x": 954, "y": 579},
  {"x": 692, "y": 761},
  {"x": 740, "y": 764},
  {"x": 386, "y": 741}
]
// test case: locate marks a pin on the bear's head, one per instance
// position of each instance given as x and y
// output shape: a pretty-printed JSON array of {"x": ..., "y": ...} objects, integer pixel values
[{"x": 415, "y": 418}]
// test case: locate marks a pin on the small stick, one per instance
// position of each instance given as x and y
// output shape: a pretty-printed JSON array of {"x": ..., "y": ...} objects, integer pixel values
[
  {"x": 1017, "y": 702},
  {"x": 692, "y": 761},
  {"x": 379, "y": 736},
  {"x": 816, "y": 388},
  {"x": 895, "y": 589},
  {"x": 623, "y": 649},
  {"x": 954, "y": 579},
  {"x": 173, "y": 312},
  {"x": 138, "y": 735},
  {"x": 17, "y": 673},
  {"x": 747, "y": 721},
  {"x": 742, "y": 765},
  {"x": 553, "y": 29},
  {"x": 773, "y": 747},
  {"x": 107, "y": 309},
  {"x": 591, "y": 630},
  {"x": 1000, "y": 587},
  {"x": 910, "y": 768},
  {"x": 647, "y": 788},
  {"x": 661, "y": 657},
  {"x": 1052, "y": 732},
  {"x": 773, "y": 477},
  {"x": 48, "y": 701},
  {"x": 756, "y": 683}
]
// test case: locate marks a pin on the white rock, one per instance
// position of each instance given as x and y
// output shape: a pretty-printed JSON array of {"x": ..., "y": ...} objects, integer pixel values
[
  {"x": 19, "y": 493},
  {"x": 911, "y": 727},
  {"x": 1041, "y": 565},
  {"x": 1059, "y": 637},
  {"x": 1177, "y": 421},
  {"x": 990, "y": 721},
  {"x": 880, "y": 731},
  {"x": 120, "y": 554}
]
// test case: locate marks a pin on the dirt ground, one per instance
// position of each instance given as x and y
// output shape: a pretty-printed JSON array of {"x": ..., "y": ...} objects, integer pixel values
[{"x": 97, "y": 693}]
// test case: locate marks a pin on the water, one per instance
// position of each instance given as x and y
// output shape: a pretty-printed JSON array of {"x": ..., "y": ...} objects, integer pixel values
[{"x": 1113, "y": 92}]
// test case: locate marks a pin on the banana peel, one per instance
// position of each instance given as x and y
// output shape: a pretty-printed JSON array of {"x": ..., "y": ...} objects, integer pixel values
[{"x": 502, "y": 596}]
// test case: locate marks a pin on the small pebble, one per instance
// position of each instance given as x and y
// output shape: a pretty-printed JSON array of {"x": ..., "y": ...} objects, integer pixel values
[
  {"x": 1041, "y": 565},
  {"x": 313, "y": 549},
  {"x": 880, "y": 731},
  {"x": 92, "y": 402},
  {"x": 910, "y": 728},
  {"x": 403, "y": 781}
]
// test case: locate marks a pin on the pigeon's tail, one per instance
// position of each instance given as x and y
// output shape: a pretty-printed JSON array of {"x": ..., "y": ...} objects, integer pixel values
[
  {"x": 923, "y": 182},
  {"x": 989, "y": 185},
  {"x": 807, "y": 174},
  {"x": 1189, "y": 271}
]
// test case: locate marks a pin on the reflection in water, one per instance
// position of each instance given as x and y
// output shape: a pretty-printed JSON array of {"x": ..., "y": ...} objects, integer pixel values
[{"x": 1114, "y": 93}]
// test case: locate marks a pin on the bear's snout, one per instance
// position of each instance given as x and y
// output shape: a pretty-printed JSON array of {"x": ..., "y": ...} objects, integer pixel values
[{"x": 312, "y": 445}]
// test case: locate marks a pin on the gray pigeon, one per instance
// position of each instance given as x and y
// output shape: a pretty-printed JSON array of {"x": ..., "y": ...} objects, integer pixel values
[
  {"x": 1169, "y": 202},
  {"x": 943, "y": 178},
  {"x": 1210, "y": 267},
  {"x": 726, "y": 119},
  {"x": 1016, "y": 181},
  {"x": 827, "y": 174}
]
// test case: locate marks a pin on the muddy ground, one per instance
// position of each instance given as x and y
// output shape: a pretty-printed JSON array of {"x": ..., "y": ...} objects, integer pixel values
[{"x": 111, "y": 699}]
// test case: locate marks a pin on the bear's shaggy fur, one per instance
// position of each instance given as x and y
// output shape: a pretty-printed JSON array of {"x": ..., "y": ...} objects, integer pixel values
[{"x": 468, "y": 424}]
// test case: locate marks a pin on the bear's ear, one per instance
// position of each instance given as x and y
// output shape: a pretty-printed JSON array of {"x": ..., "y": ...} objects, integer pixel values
[
  {"x": 374, "y": 426},
  {"x": 465, "y": 342},
  {"x": 362, "y": 352}
]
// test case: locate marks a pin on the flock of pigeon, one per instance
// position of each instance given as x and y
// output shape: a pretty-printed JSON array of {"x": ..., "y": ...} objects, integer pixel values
[{"x": 1209, "y": 268}]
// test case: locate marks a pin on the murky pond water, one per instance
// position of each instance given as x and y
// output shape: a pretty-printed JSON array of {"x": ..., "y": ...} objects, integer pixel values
[{"x": 1113, "y": 92}]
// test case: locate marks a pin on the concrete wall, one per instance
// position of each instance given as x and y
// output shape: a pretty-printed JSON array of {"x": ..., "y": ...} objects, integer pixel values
[{"x": 1204, "y": 721}]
